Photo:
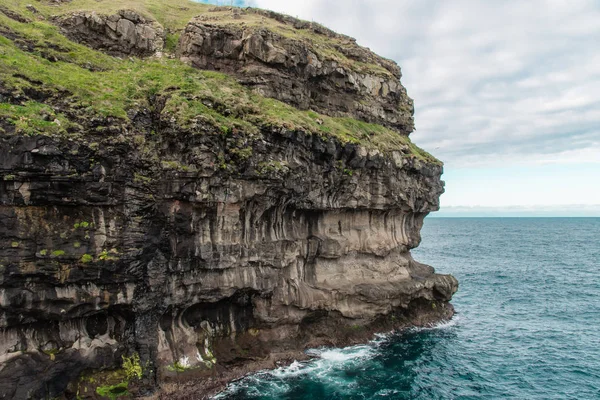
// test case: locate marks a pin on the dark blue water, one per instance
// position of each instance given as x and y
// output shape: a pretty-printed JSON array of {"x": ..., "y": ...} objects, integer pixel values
[{"x": 527, "y": 323}]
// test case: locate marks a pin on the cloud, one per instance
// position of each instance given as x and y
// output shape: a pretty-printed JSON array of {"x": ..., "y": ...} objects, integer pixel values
[{"x": 493, "y": 82}]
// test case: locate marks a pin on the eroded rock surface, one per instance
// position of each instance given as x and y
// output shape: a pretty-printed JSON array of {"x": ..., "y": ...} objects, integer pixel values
[
  {"x": 102, "y": 256},
  {"x": 124, "y": 33},
  {"x": 314, "y": 68}
]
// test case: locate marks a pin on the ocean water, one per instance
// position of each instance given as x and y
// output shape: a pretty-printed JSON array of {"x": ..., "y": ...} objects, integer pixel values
[{"x": 527, "y": 324}]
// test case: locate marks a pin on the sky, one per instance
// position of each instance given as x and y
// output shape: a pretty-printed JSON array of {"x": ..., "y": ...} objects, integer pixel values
[{"x": 507, "y": 93}]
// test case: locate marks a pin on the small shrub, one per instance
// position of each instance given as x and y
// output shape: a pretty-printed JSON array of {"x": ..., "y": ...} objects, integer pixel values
[
  {"x": 106, "y": 255},
  {"x": 141, "y": 179},
  {"x": 132, "y": 366},
  {"x": 83, "y": 225}
]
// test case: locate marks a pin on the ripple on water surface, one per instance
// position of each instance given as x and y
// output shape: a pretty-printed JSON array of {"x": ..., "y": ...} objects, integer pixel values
[{"x": 527, "y": 324}]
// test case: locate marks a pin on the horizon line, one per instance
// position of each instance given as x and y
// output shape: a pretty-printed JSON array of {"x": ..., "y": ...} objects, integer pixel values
[{"x": 432, "y": 215}]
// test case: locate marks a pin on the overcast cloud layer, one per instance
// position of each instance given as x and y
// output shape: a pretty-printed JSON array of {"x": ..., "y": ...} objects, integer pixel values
[{"x": 494, "y": 82}]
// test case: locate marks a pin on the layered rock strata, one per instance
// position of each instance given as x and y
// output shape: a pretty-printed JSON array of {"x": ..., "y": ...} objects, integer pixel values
[
  {"x": 202, "y": 266},
  {"x": 300, "y": 63}
]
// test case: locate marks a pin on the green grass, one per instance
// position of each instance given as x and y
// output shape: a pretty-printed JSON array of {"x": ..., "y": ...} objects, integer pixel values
[
  {"x": 113, "y": 392},
  {"x": 95, "y": 84},
  {"x": 33, "y": 118},
  {"x": 172, "y": 14}
]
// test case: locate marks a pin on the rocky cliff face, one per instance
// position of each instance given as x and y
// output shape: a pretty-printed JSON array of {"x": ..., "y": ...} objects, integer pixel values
[
  {"x": 205, "y": 250},
  {"x": 300, "y": 63}
]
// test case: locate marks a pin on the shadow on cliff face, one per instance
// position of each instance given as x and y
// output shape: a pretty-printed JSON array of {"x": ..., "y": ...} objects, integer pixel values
[
  {"x": 211, "y": 331},
  {"x": 47, "y": 356}
]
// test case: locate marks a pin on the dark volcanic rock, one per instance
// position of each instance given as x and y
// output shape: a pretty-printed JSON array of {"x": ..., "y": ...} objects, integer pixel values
[
  {"x": 303, "y": 69},
  {"x": 104, "y": 252}
]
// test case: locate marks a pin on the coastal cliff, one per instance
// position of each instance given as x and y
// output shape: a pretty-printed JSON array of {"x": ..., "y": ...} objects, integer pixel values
[{"x": 190, "y": 193}]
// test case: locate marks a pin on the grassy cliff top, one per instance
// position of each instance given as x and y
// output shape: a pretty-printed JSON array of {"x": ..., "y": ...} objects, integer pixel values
[
  {"x": 175, "y": 14},
  {"x": 47, "y": 83}
]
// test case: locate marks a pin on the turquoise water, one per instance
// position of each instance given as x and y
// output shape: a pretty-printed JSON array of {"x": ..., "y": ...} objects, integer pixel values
[{"x": 527, "y": 323}]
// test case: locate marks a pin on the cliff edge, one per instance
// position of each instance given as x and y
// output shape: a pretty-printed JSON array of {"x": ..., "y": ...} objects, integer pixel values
[{"x": 190, "y": 193}]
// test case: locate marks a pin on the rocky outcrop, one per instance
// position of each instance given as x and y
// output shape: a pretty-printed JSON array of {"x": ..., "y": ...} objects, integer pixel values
[
  {"x": 314, "y": 68},
  {"x": 121, "y": 34}
]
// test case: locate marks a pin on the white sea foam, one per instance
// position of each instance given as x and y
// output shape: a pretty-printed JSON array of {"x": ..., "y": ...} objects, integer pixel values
[
  {"x": 455, "y": 321},
  {"x": 324, "y": 367},
  {"x": 344, "y": 354},
  {"x": 386, "y": 393}
]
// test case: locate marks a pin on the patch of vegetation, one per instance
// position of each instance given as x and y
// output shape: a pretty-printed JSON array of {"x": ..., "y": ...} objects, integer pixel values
[
  {"x": 357, "y": 327},
  {"x": 58, "y": 253},
  {"x": 51, "y": 353},
  {"x": 9, "y": 177},
  {"x": 112, "y": 384},
  {"x": 33, "y": 118},
  {"x": 132, "y": 367},
  {"x": 14, "y": 245},
  {"x": 108, "y": 255},
  {"x": 114, "y": 391},
  {"x": 271, "y": 168},
  {"x": 174, "y": 166},
  {"x": 171, "y": 42},
  {"x": 141, "y": 179},
  {"x": 86, "y": 258}
]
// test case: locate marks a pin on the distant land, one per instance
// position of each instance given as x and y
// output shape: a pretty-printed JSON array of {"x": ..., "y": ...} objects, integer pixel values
[{"x": 571, "y": 210}]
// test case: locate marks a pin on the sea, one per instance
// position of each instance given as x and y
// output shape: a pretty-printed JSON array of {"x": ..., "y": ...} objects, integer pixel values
[{"x": 527, "y": 323}]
